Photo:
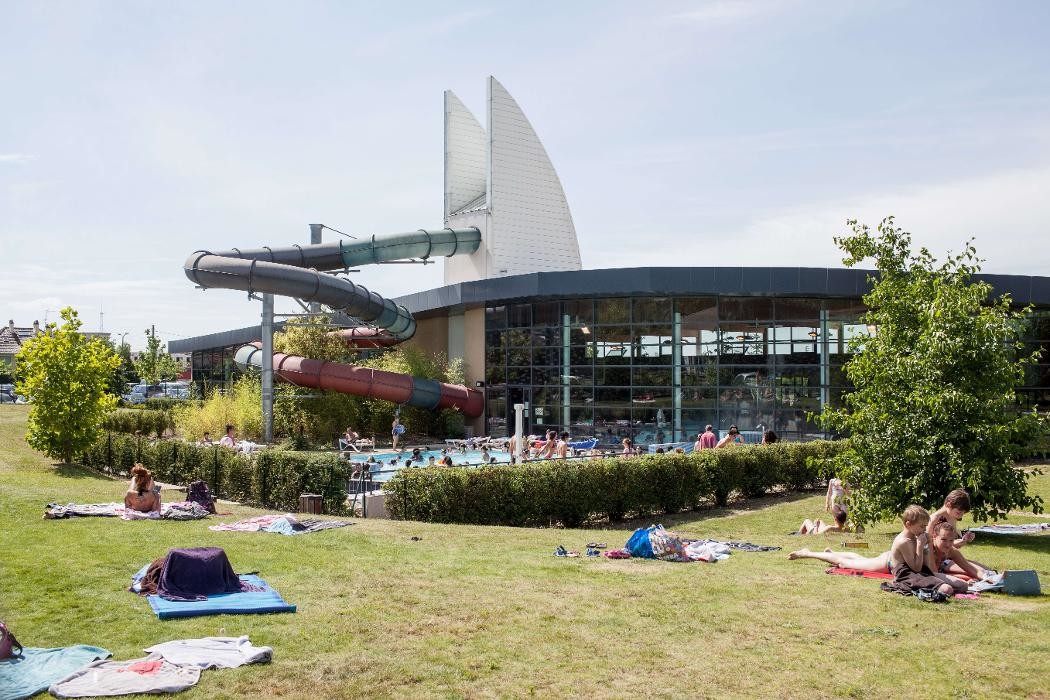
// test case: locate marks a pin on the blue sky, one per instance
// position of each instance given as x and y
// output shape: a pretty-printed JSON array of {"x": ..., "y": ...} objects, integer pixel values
[{"x": 707, "y": 133}]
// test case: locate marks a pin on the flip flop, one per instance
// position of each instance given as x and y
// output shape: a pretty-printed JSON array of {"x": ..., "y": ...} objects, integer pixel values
[{"x": 597, "y": 545}]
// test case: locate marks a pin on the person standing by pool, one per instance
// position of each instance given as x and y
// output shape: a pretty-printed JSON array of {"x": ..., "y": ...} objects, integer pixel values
[
  {"x": 562, "y": 447},
  {"x": 550, "y": 445},
  {"x": 706, "y": 440},
  {"x": 733, "y": 437},
  {"x": 397, "y": 429}
]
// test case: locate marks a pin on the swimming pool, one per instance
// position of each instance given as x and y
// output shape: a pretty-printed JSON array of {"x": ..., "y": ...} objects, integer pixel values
[{"x": 459, "y": 459}]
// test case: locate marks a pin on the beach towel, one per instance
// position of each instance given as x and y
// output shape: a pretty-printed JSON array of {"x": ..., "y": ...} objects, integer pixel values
[
  {"x": 212, "y": 652},
  {"x": 844, "y": 571},
  {"x": 36, "y": 669},
  {"x": 180, "y": 510},
  {"x": 1004, "y": 529},
  {"x": 106, "y": 678},
  {"x": 286, "y": 524}
]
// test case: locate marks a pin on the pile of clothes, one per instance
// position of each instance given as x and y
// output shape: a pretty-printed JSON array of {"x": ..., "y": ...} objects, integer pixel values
[{"x": 657, "y": 543}]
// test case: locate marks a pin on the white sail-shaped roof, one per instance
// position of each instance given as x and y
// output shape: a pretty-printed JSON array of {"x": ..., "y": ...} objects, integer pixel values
[
  {"x": 504, "y": 183},
  {"x": 466, "y": 158},
  {"x": 535, "y": 229}
]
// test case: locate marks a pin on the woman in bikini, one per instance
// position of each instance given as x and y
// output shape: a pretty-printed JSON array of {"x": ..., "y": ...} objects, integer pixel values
[
  {"x": 819, "y": 527},
  {"x": 143, "y": 494}
]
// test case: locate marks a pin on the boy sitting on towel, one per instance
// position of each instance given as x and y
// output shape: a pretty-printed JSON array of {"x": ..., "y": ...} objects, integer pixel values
[{"x": 909, "y": 560}]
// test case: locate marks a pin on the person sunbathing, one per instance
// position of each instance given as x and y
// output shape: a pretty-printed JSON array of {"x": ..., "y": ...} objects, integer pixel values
[
  {"x": 143, "y": 495},
  {"x": 819, "y": 527},
  {"x": 956, "y": 506}
]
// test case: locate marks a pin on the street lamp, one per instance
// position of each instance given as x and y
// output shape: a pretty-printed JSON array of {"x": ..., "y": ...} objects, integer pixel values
[{"x": 122, "y": 336}]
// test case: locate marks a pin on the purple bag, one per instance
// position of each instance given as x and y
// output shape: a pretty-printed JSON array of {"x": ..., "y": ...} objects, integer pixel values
[{"x": 8, "y": 643}]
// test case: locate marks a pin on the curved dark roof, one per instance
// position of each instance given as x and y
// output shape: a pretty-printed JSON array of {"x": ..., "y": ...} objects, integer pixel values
[
  {"x": 687, "y": 281},
  {"x": 825, "y": 282}
]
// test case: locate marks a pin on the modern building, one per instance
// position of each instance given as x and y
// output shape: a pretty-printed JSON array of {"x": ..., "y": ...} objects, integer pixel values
[{"x": 653, "y": 353}]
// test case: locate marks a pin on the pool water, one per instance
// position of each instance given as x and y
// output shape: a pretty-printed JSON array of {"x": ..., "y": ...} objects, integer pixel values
[{"x": 470, "y": 457}]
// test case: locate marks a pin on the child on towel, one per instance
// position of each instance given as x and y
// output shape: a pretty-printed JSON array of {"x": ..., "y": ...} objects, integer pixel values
[
  {"x": 956, "y": 506},
  {"x": 910, "y": 561}
]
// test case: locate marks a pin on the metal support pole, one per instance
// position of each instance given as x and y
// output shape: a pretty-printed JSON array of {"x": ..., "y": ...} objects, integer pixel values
[
  {"x": 267, "y": 367},
  {"x": 519, "y": 426},
  {"x": 677, "y": 431},
  {"x": 566, "y": 370},
  {"x": 315, "y": 238},
  {"x": 825, "y": 379}
]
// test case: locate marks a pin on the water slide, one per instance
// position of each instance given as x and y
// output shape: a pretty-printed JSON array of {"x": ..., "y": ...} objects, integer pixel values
[{"x": 299, "y": 272}]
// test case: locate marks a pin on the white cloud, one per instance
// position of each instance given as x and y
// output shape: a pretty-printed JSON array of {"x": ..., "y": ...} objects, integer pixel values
[{"x": 16, "y": 157}]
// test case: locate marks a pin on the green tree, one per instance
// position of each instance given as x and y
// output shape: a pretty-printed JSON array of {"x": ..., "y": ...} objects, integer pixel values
[
  {"x": 65, "y": 375},
  {"x": 154, "y": 366},
  {"x": 125, "y": 371},
  {"x": 933, "y": 407}
]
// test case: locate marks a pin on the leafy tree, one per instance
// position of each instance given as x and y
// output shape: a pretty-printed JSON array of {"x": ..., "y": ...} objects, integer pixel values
[
  {"x": 64, "y": 375},
  {"x": 125, "y": 371},
  {"x": 933, "y": 405},
  {"x": 154, "y": 366}
]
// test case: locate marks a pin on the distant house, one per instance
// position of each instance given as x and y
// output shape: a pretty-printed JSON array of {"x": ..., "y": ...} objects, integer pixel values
[{"x": 12, "y": 338}]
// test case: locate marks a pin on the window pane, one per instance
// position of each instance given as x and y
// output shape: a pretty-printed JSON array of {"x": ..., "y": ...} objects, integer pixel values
[
  {"x": 546, "y": 314},
  {"x": 788, "y": 309},
  {"x": 652, "y": 376},
  {"x": 519, "y": 316},
  {"x": 612, "y": 396},
  {"x": 518, "y": 375},
  {"x": 652, "y": 310},
  {"x": 496, "y": 317},
  {"x": 745, "y": 308},
  {"x": 697, "y": 310},
  {"x": 614, "y": 310},
  {"x": 580, "y": 312},
  {"x": 612, "y": 376}
]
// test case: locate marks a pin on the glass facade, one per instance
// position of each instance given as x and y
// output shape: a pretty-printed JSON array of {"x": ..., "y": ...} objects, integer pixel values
[
  {"x": 658, "y": 369},
  {"x": 213, "y": 369}
]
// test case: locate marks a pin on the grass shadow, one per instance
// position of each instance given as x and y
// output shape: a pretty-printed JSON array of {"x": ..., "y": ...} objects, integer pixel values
[
  {"x": 1029, "y": 543},
  {"x": 706, "y": 512},
  {"x": 76, "y": 471}
]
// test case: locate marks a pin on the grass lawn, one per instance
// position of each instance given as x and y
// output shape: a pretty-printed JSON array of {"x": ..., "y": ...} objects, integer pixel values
[{"x": 487, "y": 611}]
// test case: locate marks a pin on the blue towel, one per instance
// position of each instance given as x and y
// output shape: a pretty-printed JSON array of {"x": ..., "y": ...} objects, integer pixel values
[
  {"x": 37, "y": 669},
  {"x": 266, "y": 600}
]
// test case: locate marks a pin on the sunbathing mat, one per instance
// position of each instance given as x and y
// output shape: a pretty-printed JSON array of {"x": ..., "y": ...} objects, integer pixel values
[
  {"x": 997, "y": 529},
  {"x": 181, "y": 510},
  {"x": 258, "y": 598},
  {"x": 286, "y": 524}
]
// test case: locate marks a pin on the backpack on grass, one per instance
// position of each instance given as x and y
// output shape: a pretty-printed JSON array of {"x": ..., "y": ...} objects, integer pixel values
[
  {"x": 8, "y": 643},
  {"x": 198, "y": 492}
]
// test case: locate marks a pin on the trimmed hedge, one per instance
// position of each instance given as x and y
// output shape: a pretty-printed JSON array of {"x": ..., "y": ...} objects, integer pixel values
[
  {"x": 148, "y": 421},
  {"x": 269, "y": 479},
  {"x": 574, "y": 491}
]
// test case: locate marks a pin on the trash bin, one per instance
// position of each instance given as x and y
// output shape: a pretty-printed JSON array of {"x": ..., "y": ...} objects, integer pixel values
[{"x": 310, "y": 503}]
